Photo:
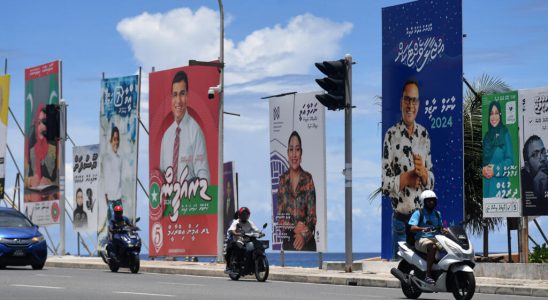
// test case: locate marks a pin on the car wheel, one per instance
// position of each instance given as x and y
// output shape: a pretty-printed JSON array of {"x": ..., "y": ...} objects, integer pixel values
[
  {"x": 38, "y": 266},
  {"x": 2, "y": 267}
]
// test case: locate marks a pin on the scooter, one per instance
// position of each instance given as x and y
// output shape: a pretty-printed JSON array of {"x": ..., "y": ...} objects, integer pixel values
[
  {"x": 452, "y": 270},
  {"x": 254, "y": 260},
  {"x": 128, "y": 245}
]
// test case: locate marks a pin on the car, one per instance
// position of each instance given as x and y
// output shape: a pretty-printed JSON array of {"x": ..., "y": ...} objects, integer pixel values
[{"x": 21, "y": 243}]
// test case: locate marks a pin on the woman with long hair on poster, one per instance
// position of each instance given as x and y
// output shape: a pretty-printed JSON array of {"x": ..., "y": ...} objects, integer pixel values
[{"x": 297, "y": 201}]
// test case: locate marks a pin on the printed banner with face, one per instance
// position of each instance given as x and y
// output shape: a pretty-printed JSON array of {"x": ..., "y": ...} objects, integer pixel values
[
  {"x": 230, "y": 193},
  {"x": 183, "y": 163},
  {"x": 534, "y": 168},
  {"x": 85, "y": 172},
  {"x": 4, "y": 107},
  {"x": 500, "y": 162},
  {"x": 42, "y": 87},
  {"x": 297, "y": 166},
  {"x": 118, "y": 150},
  {"x": 422, "y": 146}
]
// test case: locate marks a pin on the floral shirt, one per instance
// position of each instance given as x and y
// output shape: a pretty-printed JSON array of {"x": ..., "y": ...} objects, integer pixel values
[
  {"x": 298, "y": 206},
  {"x": 397, "y": 157}
]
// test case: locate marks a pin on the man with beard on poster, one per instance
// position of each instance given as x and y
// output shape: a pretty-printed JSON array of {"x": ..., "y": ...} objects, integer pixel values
[
  {"x": 407, "y": 163},
  {"x": 183, "y": 144},
  {"x": 534, "y": 176}
]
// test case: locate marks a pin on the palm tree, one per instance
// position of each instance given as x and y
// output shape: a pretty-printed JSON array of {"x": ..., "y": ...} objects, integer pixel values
[{"x": 473, "y": 149}]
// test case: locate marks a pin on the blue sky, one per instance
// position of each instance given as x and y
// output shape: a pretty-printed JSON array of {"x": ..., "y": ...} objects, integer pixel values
[{"x": 271, "y": 47}]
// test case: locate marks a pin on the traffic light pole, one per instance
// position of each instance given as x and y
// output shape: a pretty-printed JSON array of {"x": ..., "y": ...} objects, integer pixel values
[
  {"x": 62, "y": 138},
  {"x": 348, "y": 165}
]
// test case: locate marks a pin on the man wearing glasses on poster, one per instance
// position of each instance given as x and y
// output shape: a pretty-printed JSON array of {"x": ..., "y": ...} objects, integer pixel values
[
  {"x": 534, "y": 172},
  {"x": 407, "y": 163}
]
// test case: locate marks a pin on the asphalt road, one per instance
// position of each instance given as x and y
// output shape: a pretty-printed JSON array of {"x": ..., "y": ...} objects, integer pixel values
[{"x": 60, "y": 283}]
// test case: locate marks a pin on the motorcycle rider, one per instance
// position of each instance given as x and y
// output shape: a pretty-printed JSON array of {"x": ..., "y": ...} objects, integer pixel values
[
  {"x": 116, "y": 223},
  {"x": 237, "y": 229},
  {"x": 424, "y": 229}
]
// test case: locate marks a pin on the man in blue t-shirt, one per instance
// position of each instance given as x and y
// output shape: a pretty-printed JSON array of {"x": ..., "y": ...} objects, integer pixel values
[{"x": 424, "y": 229}]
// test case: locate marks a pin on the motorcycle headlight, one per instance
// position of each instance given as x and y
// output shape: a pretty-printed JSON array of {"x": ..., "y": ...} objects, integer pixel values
[{"x": 37, "y": 239}]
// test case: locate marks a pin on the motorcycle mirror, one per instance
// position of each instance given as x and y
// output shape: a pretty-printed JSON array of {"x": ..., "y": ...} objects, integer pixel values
[
  {"x": 138, "y": 219},
  {"x": 264, "y": 225}
]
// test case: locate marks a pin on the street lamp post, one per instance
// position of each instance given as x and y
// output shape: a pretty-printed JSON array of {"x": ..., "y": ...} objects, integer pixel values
[{"x": 220, "y": 198}]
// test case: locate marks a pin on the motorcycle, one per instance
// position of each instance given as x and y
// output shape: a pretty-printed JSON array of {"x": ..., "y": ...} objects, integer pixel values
[
  {"x": 254, "y": 260},
  {"x": 452, "y": 270},
  {"x": 128, "y": 245}
]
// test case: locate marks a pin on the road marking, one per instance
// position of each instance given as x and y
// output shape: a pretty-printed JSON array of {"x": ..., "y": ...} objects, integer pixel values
[
  {"x": 39, "y": 286},
  {"x": 357, "y": 295},
  {"x": 47, "y": 275},
  {"x": 179, "y": 283},
  {"x": 145, "y": 294}
]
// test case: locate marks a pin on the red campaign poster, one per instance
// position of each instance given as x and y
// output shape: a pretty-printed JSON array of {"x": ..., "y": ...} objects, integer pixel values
[{"x": 183, "y": 163}]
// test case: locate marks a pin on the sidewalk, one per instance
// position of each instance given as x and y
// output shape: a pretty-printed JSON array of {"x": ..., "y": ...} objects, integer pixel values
[{"x": 487, "y": 285}]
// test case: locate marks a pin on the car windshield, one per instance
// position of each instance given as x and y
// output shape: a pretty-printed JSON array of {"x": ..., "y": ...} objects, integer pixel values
[{"x": 13, "y": 220}]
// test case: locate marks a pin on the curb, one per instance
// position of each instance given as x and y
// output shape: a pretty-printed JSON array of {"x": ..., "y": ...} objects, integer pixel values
[{"x": 371, "y": 281}]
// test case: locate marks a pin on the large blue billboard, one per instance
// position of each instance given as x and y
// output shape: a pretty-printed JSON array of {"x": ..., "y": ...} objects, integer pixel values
[{"x": 421, "y": 113}]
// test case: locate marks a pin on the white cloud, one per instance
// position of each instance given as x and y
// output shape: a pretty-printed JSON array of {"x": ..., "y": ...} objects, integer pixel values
[{"x": 171, "y": 39}]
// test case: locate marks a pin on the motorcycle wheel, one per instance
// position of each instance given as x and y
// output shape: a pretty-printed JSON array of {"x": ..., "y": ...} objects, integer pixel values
[
  {"x": 113, "y": 266},
  {"x": 465, "y": 285},
  {"x": 232, "y": 274},
  {"x": 261, "y": 268},
  {"x": 134, "y": 264},
  {"x": 410, "y": 290}
]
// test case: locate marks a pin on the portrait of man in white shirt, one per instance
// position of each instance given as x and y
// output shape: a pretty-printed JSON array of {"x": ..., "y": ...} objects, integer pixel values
[
  {"x": 112, "y": 172},
  {"x": 183, "y": 144}
]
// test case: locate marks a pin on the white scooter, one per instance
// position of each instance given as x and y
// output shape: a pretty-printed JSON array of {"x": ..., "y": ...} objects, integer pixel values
[{"x": 452, "y": 270}]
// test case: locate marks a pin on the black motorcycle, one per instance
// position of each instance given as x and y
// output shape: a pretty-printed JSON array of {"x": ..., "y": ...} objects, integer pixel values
[
  {"x": 254, "y": 260},
  {"x": 128, "y": 246}
]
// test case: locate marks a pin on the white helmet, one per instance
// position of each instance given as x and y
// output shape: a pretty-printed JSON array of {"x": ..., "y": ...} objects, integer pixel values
[{"x": 426, "y": 195}]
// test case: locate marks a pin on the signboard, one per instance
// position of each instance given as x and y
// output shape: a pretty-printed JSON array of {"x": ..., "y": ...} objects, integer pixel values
[
  {"x": 118, "y": 150},
  {"x": 534, "y": 136},
  {"x": 500, "y": 162},
  {"x": 297, "y": 164},
  {"x": 85, "y": 170},
  {"x": 183, "y": 164},
  {"x": 41, "y": 197},
  {"x": 421, "y": 113}
]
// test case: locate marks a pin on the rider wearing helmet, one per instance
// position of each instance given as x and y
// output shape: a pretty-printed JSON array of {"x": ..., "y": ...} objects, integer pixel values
[
  {"x": 237, "y": 229},
  {"x": 424, "y": 229},
  {"x": 117, "y": 223}
]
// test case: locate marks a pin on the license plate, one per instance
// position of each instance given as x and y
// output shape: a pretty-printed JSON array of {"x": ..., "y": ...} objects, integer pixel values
[{"x": 19, "y": 253}]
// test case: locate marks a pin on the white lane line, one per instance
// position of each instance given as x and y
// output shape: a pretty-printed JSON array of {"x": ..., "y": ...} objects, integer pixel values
[
  {"x": 144, "y": 294},
  {"x": 185, "y": 284},
  {"x": 357, "y": 295},
  {"x": 39, "y": 286},
  {"x": 47, "y": 275}
]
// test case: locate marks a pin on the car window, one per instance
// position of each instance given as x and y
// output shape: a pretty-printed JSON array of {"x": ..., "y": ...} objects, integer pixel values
[{"x": 13, "y": 220}]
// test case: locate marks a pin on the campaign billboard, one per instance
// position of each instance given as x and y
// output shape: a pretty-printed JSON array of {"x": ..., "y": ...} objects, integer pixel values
[
  {"x": 183, "y": 162},
  {"x": 41, "y": 170},
  {"x": 118, "y": 148},
  {"x": 533, "y": 105},
  {"x": 500, "y": 158},
  {"x": 85, "y": 170},
  {"x": 4, "y": 107},
  {"x": 230, "y": 193},
  {"x": 297, "y": 166},
  {"x": 422, "y": 129}
]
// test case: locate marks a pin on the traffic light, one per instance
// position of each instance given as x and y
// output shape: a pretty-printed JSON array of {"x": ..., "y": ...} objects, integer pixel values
[
  {"x": 51, "y": 121},
  {"x": 334, "y": 84}
]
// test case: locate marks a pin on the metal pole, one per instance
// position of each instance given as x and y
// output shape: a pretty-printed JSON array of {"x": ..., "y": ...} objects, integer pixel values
[
  {"x": 540, "y": 229},
  {"x": 348, "y": 165},
  {"x": 78, "y": 242},
  {"x": 525, "y": 240},
  {"x": 63, "y": 137},
  {"x": 282, "y": 257},
  {"x": 137, "y": 160},
  {"x": 509, "y": 241},
  {"x": 220, "y": 202},
  {"x": 320, "y": 258}
]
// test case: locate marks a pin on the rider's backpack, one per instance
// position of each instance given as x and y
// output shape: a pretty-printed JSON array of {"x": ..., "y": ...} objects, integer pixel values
[{"x": 410, "y": 236}]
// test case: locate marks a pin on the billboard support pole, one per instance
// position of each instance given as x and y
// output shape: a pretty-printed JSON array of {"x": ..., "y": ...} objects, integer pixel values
[
  {"x": 348, "y": 166},
  {"x": 138, "y": 141},
  {"x": 540, "y": 229},
  {"x": 524, "y": 240},
  {"x": 62, "y": 139}
]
